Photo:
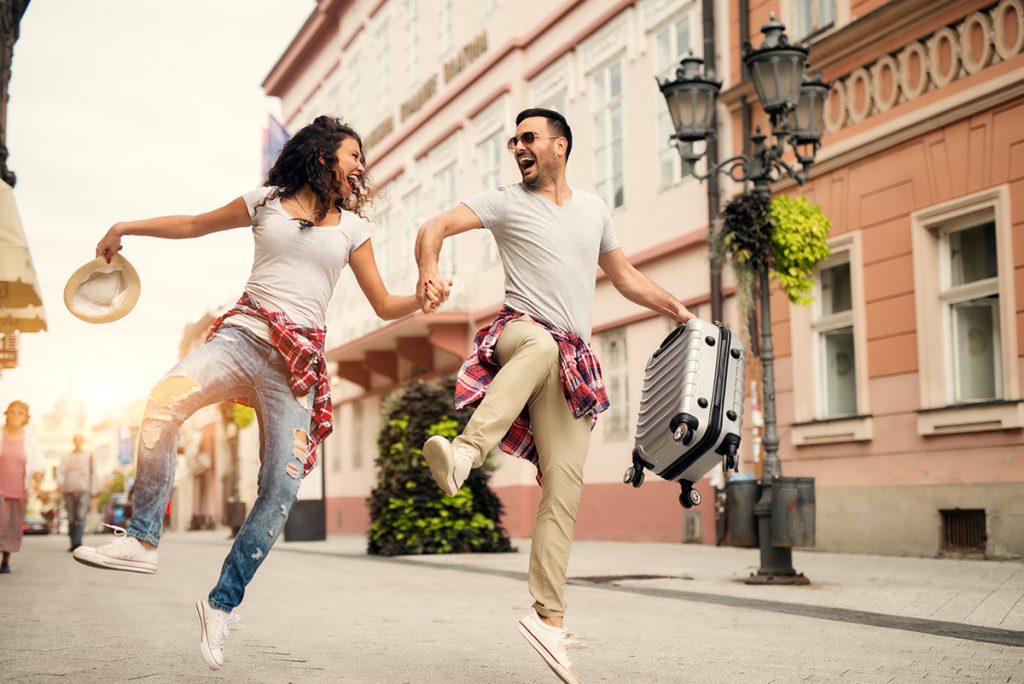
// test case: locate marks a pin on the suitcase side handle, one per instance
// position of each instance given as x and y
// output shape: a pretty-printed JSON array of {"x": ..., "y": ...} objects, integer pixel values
[{"x": 667, "y": 342}]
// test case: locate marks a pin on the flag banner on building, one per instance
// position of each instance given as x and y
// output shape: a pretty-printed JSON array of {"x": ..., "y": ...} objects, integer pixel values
[{"x": 274, "y": 138}]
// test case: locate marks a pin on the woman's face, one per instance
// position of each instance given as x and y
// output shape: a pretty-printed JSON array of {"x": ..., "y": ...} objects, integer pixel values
[
  {"x": 350, "y": 165},
  {"x": 17, "y": 416}
]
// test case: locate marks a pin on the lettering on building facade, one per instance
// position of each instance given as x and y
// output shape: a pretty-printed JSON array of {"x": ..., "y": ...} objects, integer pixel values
[{"x": 469, "y": 53}]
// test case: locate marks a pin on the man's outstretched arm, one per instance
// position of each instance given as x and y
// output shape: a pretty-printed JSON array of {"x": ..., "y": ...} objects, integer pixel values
[{"x": 638, "y": 288}]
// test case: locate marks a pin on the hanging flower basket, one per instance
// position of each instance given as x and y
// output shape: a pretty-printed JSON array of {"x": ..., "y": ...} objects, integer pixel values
[{"x": 788, "y": 235}]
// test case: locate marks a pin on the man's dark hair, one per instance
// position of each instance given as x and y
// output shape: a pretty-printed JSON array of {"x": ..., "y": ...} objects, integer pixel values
[{"x": 556, "y": 122}]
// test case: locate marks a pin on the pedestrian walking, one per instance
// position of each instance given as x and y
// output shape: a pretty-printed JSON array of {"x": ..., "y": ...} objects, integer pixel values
[
  {"x": 532, "y": 374},
  {"x": 75, "y": 482},
  {"x": 308, "y": 222},
  {"x": 21, "y": 471}
]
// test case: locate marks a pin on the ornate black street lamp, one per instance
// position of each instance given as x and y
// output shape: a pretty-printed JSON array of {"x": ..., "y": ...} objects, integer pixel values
[{"x": 796, "y": 109}]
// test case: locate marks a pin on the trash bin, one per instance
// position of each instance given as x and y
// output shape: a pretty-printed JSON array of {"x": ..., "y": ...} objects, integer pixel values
[
  {"x": 793, "y": 510},
  {"x": 307, "y": 521},
  {"x": 740, "y": 498}
]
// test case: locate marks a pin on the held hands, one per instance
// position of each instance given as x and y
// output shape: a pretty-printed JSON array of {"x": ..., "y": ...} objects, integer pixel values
[
  {"x": 110, "y": 244},
  {"x": 432, "y": 291}
]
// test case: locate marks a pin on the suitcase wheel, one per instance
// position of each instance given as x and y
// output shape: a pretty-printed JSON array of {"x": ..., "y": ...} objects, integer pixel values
[
  {"x": 634, "y": 476},
  {"x": 689, "y": 497}
]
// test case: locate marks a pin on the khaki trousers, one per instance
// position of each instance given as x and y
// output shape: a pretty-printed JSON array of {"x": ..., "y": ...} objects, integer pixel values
[{"x": 529, "y": 376}]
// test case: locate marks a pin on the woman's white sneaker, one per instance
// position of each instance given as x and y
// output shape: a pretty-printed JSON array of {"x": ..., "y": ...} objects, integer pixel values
[
  {"x": 124, "y": 552},
  {"x": 213, "y": 629},
  {"x": 550, "y": 642}
]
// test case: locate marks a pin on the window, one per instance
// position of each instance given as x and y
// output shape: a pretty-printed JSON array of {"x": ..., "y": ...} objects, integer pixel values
[
  {"x": 616, "y": 380},
  {"x": 834, "y": 328},
  {"x": 406, "y": 266},
  {"x": 382, "y": 41},
  {"x": 490, "y": 154},
  {"x": 607, "y": 107},
  {"x": 555, "y": 102},
  {"x": 671, "y": 44},
  {"x": 357, "y": 435},
  {"x": 352, "y": 108},
  {"x": 445, "y": 27},
  {"x": 486, "y": 7},
  {"x": 810, "y": 16},
  {"x": 970, "y": 295},
  {"x": 336, "y": 453},
  {"x": 412, "y": 42},
  {"x": 382, "y": 244},
  {"x": 830, "y": 397},
  {"x": 965, "y": 307},
  {"x": 444, "y": 184}
]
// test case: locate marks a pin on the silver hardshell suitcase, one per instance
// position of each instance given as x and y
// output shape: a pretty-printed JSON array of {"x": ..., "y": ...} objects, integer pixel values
[{"x": 691, "y": 407}]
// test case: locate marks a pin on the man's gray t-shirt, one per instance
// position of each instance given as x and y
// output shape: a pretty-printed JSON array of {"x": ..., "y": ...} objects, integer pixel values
[{"x": 549, "y": 252}]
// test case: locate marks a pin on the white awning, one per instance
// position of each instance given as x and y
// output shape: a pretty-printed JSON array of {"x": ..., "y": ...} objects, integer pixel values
[{"x": 21, "y": 303}]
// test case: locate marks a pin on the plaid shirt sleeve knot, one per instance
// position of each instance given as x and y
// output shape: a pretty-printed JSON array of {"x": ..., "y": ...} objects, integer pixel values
[
  {"x": 303, "y": 352},
  {"x": 579, "y": 369}
]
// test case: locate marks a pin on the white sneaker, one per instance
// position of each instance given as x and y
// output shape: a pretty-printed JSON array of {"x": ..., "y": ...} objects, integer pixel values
[
  {"x": 449, "y": 466},
  {"x": 124, "y": 552},
  {"x": 213, "y": 628},
  {"x": 550, "y": 642}
]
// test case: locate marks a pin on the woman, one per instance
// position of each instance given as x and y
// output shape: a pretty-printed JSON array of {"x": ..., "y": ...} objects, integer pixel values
[
  {"x": 21, "y": 466},
  {"x": 267, "y": 351}
]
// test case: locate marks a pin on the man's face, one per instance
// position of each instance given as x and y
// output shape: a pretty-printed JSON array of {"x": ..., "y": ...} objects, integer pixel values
[
  {"x": 538, "y": 161},
  {"x": 78, "y": 441}
]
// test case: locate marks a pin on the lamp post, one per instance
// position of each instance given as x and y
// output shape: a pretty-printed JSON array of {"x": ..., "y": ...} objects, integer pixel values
[{"x": 795, "y": 105}]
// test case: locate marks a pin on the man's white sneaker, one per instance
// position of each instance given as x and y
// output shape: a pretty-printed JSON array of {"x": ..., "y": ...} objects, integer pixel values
[
  {"x": 213, "y": 628},
  {"x": 449, "y": 466},
  {"x": 550, "y": 642},
  {"x": 124, "y": 552}
]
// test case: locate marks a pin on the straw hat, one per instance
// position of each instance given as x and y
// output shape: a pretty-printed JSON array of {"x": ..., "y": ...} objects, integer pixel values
[{"x": 99, "y": 292}]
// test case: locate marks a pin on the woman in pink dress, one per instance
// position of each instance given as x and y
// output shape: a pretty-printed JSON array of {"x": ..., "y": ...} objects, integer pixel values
[{"x": 21, "y": 466}]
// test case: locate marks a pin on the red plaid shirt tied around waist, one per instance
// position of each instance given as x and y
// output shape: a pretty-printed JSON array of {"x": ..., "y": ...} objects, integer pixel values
[
  {"x": 303, "y": 352},
  {"x": 579, "y": 369}
]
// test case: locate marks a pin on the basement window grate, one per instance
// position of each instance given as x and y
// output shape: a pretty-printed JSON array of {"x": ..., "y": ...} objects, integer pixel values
[{"x": 963, "y": 530}]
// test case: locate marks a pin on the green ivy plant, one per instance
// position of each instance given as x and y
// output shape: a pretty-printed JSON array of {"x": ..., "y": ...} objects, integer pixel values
[
  {"x": 408, "y": 512},
  {"x": 787, "y": 235},
  {"x": 799, "y": 244}
]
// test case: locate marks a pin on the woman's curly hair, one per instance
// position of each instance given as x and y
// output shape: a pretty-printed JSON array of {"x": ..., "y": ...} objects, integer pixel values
[{"x": 310, "y": 156}]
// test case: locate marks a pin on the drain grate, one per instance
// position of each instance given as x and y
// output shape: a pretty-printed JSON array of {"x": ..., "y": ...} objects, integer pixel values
[{"x": 963, "y": 530}]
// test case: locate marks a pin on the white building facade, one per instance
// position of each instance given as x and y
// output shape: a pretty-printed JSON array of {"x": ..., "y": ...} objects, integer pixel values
[{"x": 434, "y": 87}]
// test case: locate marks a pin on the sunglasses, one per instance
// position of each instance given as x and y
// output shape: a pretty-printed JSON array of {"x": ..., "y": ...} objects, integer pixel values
[{"x": 527, "y": 138}]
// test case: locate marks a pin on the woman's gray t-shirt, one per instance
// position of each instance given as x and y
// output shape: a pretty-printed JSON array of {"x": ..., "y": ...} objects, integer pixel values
[
  {"x": 294, "y": 270},
  {"x": 549, "y": 252}
]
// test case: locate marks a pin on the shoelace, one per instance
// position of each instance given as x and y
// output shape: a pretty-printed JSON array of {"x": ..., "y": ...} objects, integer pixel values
[
  {"x": 120, "y": 534},
  {"x": 221, "y": 625}
]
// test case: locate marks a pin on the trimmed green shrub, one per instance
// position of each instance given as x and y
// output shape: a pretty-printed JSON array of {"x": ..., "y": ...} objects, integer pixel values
[{"x": 409, "y": 514}]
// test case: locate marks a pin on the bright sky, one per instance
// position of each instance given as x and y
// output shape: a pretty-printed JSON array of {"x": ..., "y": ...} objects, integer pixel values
[{"x": 127, "y": 109}]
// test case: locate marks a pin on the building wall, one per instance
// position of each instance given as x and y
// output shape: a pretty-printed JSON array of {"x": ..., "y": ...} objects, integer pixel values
[
  {"x": 907, "y": 140},
  {"x": 905, "y": 133}
]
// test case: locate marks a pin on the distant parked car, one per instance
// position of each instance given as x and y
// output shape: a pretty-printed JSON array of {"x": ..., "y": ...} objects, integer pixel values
[{"x": 35, "y": 524}]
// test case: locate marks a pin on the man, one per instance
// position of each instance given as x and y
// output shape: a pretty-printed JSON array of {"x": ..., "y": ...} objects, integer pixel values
[
  {"x": 537, "y": 382},
  {"x": 74, "y": 481}
]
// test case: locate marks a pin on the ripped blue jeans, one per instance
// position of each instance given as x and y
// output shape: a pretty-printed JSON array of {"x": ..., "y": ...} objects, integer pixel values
[{"x": 233, "y": 364}]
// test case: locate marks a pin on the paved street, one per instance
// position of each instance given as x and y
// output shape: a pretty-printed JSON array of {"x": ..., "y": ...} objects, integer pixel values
[{"x": 326, "y": 612}]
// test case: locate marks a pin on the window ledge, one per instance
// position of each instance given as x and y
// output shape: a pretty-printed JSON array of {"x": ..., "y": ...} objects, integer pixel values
[
  {"x": 980, "y": 417},
  {"x": 832, "y": 431}
]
